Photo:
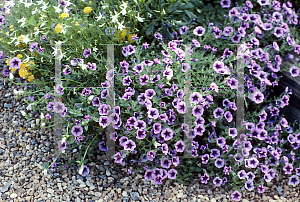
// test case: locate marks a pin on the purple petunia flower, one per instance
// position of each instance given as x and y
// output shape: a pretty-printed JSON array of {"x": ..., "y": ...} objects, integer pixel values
[
  {"x": 167, "y": 134},
  {"x": 50, "y": 106},
  {"x": 15, "y": 63},
  {"x": 249, "y": 185},
  {"x": 58, "y": 107},
  {"x": 165, "y": 163},
  {"x": 183, "y": 29},
  {"x": 62, "y": 145},
  {"x": 236, "y": 195},
  {"x": 172, "y": 173},
  {"x": 217, "y": 181},
  {"x": 215, "y": 153},
  {"x": 6, "y": 72},
  {"x": 87, "y": 53},
  {"x": 205, "y": 178},
  {"x": 103, "y": 121},
  {"x": 199, "y": 31},
  {"x": 83, "y": 170},
  {"x": 33, "y": 46},
  {"x": 294, "y": 71},
  {"x": 77, "y": 130},
  {"x": 2, "y": 20},
  {"x": 218, "y": 113},
  {"x": 179, "y": 146},
  {"x": 129, "y": 145},
  {"x": 294, "y": 180},
  {"x": 225, "y": 3},
  {"x": 158, "y": 36},
  {"x": 219, "y": 163}
]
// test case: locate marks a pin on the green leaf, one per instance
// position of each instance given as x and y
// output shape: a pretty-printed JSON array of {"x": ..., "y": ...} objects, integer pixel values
[
  {"x": 174, "y": 7},
  {"x": 167, "y": 33},
  {"x": 150, "y": 29},
  {"x": 86, "y": 128},
  {"x": 190, "y": 14},
  {"x": 186, "y": 6}
]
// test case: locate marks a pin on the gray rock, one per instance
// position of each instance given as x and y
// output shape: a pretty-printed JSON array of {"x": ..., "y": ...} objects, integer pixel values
[
  {"x": 6, "y": 187},
  {"x": 135, "y": 196},
  {"x": 8, "y": 105},
  {"x": 279, "y": 189},
  {"x": 107, "y": 173},
  {"x": 106, "y": 163},
  {"x": 126, "y": 199},
  {"x": 103, "y": 177}
]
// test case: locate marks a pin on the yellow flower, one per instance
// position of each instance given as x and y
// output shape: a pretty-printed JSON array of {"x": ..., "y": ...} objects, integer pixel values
[
  {"x": 23, "y": 73},
  {"x": 90, "y": 2},
  {"x": 19, "y": 56},
  {"x": 11, "y": 26},
  {"x": 130, "y": 38},
  {"x": 64, "y": 15},
  {"x": 76, "y": 23},
  {"x": 58, "y": 28},
  {"x": 7, "y": 62},
  {"x": 34, "y": 54},
  {"x": 87, "y": 9},
  {"x": 21, "y": 38},
  {"x": 13, "y": 70},
  {"x": 31, "y": 78}
]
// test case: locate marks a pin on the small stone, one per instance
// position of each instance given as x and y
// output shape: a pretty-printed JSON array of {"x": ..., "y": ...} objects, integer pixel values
[
  {"x": 13, "y": 195},
  {"x": 126, "y": 199},
  {"x": 264, "y": 198},
  {"x": 51, "y": 191},
  {"x": 124, "y": 193},
  {"x": 276, "y": 197},
  {"x": 98, "y": 194},
  {"x": 209, "y": 191},
  {"x": 179, "y": 195},
  {"x": 106, "y": 163},
  {"x": 245, "y": 200},
  {"x": 135, "y": 196},
  {"x": 108, "y": 173},
  {"x": 213, "y": 200},
  {"x": 8, "y": 105}
]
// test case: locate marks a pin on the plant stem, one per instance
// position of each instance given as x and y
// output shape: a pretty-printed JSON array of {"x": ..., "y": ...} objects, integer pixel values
[{"x": 88, "y": 148}]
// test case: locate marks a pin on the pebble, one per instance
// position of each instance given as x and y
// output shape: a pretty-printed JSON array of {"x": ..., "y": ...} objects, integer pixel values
[
  {"x": 13, "y": 195},
  {"x": 124, "y": 193},
  {"x": 107, "y": 173},
  {"x": 135, "y": 196}
]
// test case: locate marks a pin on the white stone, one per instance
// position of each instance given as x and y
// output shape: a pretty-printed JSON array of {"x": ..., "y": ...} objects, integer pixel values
[
  {"x": 124, "y": 193},
  {"x": 13, "y": 195},
  {"x": 179, "y": 195}
]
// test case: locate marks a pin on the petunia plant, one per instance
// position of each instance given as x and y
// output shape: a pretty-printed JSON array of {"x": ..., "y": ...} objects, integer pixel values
[{"x": 151, "y": 99}]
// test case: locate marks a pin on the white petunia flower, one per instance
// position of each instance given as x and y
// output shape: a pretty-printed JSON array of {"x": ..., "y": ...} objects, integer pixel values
[
  {"x": 99, "y": 17},
  {"x": 44, "y": 7},
  {"x": 57, "y": 9},
  {"x": 26, "y": 39},
  {"x": 105, "y": 6},
  {"x": 34, "y": 11},
  {"x": 22, "y": 20},
  {"x": 120, "y": 26},
  {"x": 114, "y": 17},
  {"x": 95, "y": 49},
  {"x": 139, "y": 18}
]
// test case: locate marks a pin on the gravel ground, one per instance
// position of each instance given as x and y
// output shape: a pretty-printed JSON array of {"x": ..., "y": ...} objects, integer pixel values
[{"x": 23, "y": 151}]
